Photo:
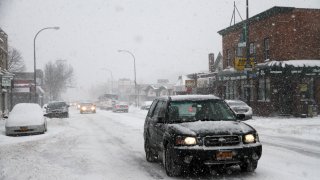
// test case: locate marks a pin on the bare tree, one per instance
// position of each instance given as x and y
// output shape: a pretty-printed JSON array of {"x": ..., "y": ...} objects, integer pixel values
[
  {"x": 58, "y": 76},
  {"x": 15, "y": 61}
]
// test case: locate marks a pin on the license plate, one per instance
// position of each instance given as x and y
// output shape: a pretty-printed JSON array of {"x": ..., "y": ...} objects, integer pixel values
[
  {"x": 224, "y": 155},
  {"x": 23, "y": 129}
]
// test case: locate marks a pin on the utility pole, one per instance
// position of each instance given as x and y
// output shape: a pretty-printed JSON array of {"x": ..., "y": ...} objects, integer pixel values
[{"x": 248, "y": 66}]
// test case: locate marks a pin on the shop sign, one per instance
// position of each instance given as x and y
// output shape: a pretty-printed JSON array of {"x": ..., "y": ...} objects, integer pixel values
[
  {"x": 240, "y": 63},
  {"x": 303, "y": 87},
  {"x": 190, "y": 83},
  {"x": 6, "y": 81}
]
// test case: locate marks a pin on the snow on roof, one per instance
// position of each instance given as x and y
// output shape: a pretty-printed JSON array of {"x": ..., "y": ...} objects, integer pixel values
[
  {"x": 229, "y": 69},
  {"x": 21, "y": 85},
  {"x": 182, "y": 80},
  {"x": 193, "y": 97},
  {"x": 295, "y": 63}
]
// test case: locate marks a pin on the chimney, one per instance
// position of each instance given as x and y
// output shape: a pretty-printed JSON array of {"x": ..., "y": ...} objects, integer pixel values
[{"x": 211, "y": 62}]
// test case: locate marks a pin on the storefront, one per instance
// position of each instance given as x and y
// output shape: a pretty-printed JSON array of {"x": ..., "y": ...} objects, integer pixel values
[{"x": 275, "y": 88}]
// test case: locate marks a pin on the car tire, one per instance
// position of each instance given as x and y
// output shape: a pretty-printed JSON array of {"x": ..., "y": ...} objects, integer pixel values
[
  {"x": 150, "y": 155},
  {"x": 170, "y": 162},
  {"x": 249, "y": 166}
]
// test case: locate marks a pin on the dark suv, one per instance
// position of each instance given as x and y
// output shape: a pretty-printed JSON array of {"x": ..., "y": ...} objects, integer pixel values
[{"x": 199, "y": 130}]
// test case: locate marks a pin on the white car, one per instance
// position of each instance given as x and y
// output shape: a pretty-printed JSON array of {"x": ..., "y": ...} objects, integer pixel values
[
  {"x": 240, "y": 107},
  {"x": 146, "y": 105},
  {"x": 26, "y": 118}
]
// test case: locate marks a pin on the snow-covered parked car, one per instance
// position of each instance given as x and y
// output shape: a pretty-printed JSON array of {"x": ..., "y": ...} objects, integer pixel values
[
  {"x": 240, "y": 107},
  {"x": 25, "y": 118},
  {"x": 199, "y": 130}
]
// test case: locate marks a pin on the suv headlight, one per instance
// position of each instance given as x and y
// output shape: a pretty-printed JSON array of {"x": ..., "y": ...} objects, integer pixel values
[
  {"x": 186, "y": 140},
  {"x": 250, "y": 138}
]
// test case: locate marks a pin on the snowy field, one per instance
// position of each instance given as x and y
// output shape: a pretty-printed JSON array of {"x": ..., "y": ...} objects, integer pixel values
[{"x": 109, "y": 145}]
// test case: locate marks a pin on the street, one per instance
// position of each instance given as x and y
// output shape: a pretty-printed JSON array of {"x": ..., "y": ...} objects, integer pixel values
[{"x": 109, "y": 145}]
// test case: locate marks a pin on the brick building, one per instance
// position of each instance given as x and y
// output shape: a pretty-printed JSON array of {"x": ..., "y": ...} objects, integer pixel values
[
  {"x": 5, "y": 76},
  {"x": 284, "y": 47}
]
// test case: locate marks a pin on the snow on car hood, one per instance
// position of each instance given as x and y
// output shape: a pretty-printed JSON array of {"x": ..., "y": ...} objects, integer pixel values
[
  {"x": 211, "y": 128},
  {"x": 25, "y": 114}
]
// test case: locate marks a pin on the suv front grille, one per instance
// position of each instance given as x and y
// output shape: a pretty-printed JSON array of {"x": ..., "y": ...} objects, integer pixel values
[{"x": 221, "y": 140}]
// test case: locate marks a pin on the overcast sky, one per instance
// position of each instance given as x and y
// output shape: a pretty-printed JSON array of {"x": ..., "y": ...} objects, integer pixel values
[{"x": 167, "y": 37}]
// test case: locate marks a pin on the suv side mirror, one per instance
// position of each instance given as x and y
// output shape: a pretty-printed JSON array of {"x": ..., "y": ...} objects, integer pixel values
[{"x": 241, "y": 117}]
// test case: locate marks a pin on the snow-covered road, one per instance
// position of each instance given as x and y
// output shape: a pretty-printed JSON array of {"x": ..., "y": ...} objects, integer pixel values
[{"x": 109, "y": 145}]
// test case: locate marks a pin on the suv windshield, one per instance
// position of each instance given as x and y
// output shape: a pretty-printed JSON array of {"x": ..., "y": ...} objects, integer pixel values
[{"x": 204, "y": 110}]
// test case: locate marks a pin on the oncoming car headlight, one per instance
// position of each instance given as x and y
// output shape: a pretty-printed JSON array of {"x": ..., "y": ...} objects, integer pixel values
[
  {"x": 250, "y": 138},
  {"x": 93, "y": 108},
  {"x": 186, "y": 140},
  {"x": 84, "y": 108}
]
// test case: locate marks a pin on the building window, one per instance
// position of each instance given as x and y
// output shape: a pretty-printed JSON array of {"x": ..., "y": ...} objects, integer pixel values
[
  {"x": 264, "y": 89},
  {"x": 266, "y": 48},
  {"x": 239, "y": 52},
  {"x": 252, "y": 49},
  {"x": 261, "y": 89},
  {"x": 230, "y": 90},
  {"x": 252, "y": 90},
  {"x": 228, "y": 57}
]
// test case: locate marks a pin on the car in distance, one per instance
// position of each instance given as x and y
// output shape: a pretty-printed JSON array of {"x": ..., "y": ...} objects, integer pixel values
[
  {"x": 199, "y": 129},
  {"x": 87, "y": 107},
  {"x": 120, "y": 107},
  {"x": 25, "y": 118},
  {"x": 58, "y": 109},
  {"x": 146, "y": 105},
  {"x": 240, "y": 107}
]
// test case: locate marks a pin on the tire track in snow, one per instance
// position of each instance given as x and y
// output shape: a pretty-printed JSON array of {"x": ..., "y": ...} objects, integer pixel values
[{"x": 136, "y": 157}]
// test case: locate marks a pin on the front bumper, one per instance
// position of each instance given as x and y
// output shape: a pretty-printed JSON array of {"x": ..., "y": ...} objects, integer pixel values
[
  {"x": 57, "y": 114},
  {"x": 121, "y": 110},
  {"x": 88, "y": 111},
  {"x": 208, "y": 155}
]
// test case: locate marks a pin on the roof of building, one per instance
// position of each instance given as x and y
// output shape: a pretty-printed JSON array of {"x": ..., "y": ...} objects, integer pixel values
[{"x": 263, "y": 15}]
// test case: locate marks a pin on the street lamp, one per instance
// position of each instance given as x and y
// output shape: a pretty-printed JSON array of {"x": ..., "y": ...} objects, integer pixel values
[
  {"x": 34, "y": 59},
  {"x": 111, "y": 78},
  {"x": 135, "y": 74}
]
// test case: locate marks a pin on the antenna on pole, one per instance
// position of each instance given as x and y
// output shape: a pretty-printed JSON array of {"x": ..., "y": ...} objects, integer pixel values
[{"x": 233, "y": 17}]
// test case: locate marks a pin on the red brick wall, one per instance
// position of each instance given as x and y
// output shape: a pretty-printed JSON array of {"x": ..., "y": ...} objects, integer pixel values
[{"x": 293, "y": 35}]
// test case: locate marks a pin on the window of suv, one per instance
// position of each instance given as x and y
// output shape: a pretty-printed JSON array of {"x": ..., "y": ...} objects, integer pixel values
[
  {"x": 153, "y": 105},
  {"x": 208, "y": 110},
  {"x": 159, "y": 110}
]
